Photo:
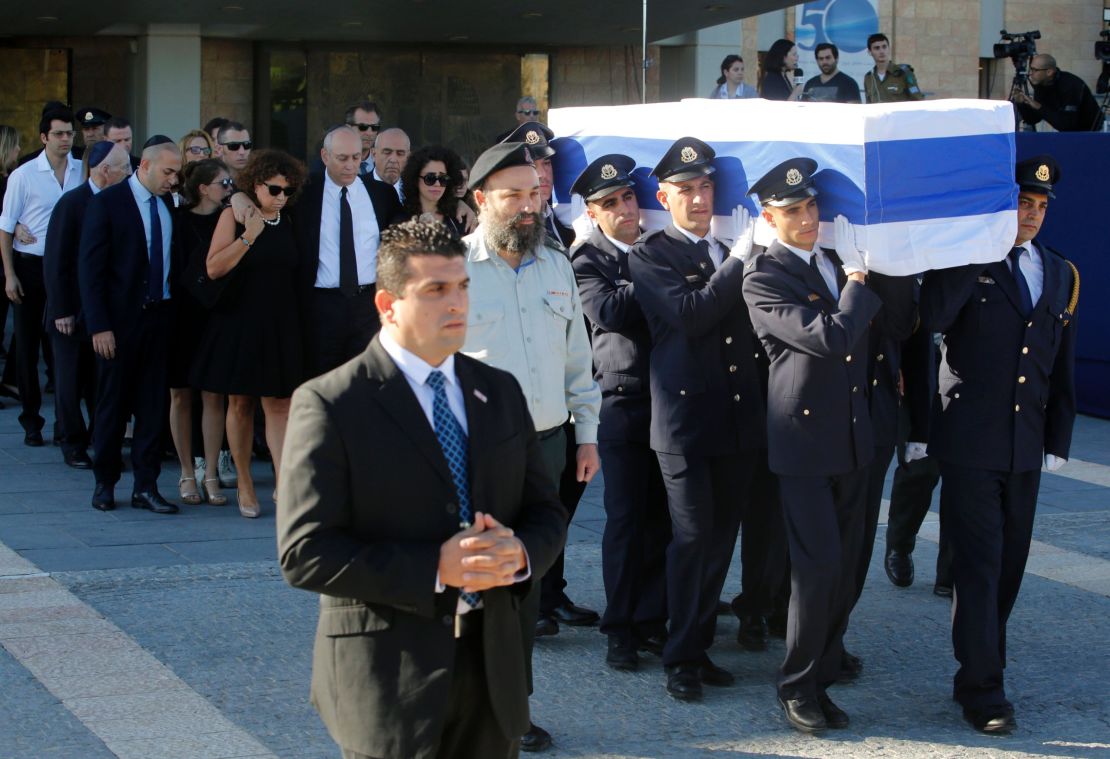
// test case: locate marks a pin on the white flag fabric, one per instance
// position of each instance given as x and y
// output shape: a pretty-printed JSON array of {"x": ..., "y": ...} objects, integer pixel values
[{"x": 928, "y": 185}]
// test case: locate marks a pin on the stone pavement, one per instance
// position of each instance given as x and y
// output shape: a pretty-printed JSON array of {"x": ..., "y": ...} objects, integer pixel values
[{"x": 135, "y": 635}]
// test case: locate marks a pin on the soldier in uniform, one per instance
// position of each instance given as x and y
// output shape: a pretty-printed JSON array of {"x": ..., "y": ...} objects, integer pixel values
[
  {"x": 1007, "y": 405},
  {"x": 707, "y": 414},
  {"x": 888, "y": 82},
  {"x": 538, "y": 137},
  {"x": 637, "y": 529},
  {"x": 811, "y": 308}
]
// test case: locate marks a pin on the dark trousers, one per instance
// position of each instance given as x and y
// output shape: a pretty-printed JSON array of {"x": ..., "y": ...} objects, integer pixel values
[
  {"x": 873, "y": 502},
  {"x": 554, "y": 584},
  {"x": 824, "y": 529},
  {"x": 988, "y": 518},
  {"x": 340, "y": 327},
  {"x": 133, "y": 383},
  {"x": 29, "y": 337},
  {"x": 634, "y": 544},
  {"x": 75, "y": 365},
  {"x": 471, "y": 728},
  {"x": 910, "y": 497},
  {"x": 764, "y": 563},
  {"x": 705, "y": 497}
]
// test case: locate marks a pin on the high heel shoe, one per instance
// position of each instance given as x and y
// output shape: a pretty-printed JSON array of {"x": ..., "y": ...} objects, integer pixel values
[
  {"x": 246, "y": 510},
  {"x": 190, "y": 498},
  {"x": 211, "y": 490}
]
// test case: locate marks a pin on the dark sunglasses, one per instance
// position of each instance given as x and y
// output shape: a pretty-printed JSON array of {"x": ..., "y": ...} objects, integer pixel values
[
  {"x": 226, "y": 183},
  {"x": 276, "y": 189},
  {"x": 364, "y": 127},
  {"x": 529, "y": 113},
  {"x": 433, "y": 179},
  {"x": 236, "y": 146}
]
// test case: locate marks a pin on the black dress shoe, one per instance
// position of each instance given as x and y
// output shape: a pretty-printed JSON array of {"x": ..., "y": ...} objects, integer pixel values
[
  {"x": 78, "y": 460},
  {"x": 153, "y": 501},
  {"x": 683, "y": 682},
  {"x": 835, "y": 717},
  {"x": 536, "y": 739},
  {"x": 33, "y": 439},
  {"x": 992, "y": 720},
  {"x": 942, "y": 589},
  {"x": 622, "y": 654},
  {"x": 711, "y": 674},
  {"x": 653, "y": 644},
  {"x": 804, "y": 714},
  {"x": 752, "y": 635},
  {"x": 850, "y": 667},
  {"x": 899, "y": 568},
  {"x": 103, "y": 498},
  {"x": 575, "y": 616},
  {"x": 546, "y": 626}
]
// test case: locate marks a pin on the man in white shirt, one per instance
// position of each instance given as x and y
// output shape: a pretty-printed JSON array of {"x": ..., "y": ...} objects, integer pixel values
[{"x": 33, "y": 189}]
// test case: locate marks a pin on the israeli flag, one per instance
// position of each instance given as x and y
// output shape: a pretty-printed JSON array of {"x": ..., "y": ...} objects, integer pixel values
[{"x": 928, "y": 185}]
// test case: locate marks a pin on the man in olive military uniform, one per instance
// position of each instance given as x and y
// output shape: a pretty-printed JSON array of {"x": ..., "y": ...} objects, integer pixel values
[
  {"x": 1007, "y": 405},
  {"x": 637, "y": 528},
  {"x": 888, "y": 82},
  {"x": 707, "y": 413}
]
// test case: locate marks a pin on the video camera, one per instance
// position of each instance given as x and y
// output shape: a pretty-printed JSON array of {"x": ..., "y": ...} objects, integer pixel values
[
  {"x": 1102, "y": 46},
  {"x": 1018, "y": 47}
]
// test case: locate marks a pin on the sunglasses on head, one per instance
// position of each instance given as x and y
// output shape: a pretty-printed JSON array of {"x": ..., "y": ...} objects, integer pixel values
[
  {"x": 433, "y": 179},
  {"x": 194, "y": 150},
  {"x": 234, "y": 147},
  {"x": 529, "y": 113},
  {"x": 363, "y": 127},
  {"x": 276, "y": 189}
]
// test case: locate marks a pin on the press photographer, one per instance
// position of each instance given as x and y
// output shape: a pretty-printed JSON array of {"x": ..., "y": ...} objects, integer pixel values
[{"x": 1059, "y": 98}]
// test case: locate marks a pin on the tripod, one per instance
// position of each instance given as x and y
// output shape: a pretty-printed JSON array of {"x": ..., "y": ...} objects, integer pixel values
[{"x": 1020, "y": 84}]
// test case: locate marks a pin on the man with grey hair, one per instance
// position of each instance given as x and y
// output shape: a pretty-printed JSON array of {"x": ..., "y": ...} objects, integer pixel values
[
  {"x": 391, "y": 152},
  {"x": 126, "y": 280},
  {"x": 527, "y": 110}
]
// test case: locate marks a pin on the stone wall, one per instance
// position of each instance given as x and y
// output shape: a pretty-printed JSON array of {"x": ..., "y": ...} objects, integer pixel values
[
  {"x": 1068, "y": 32},
  {"x": 601, "y": 76},
  {"x": 940, "y": 39},
  {"x": 227, "y": 80}
]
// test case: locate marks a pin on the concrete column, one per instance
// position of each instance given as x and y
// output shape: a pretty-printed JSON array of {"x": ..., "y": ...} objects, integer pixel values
[{"x": 167, "y": 81}]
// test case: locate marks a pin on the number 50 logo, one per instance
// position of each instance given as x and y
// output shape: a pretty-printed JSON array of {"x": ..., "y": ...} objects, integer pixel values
[{"x": 844, "y": 23}]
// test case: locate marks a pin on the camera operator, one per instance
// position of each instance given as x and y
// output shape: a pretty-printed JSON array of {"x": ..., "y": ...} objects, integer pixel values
[{"x": 1060, "y": 98}]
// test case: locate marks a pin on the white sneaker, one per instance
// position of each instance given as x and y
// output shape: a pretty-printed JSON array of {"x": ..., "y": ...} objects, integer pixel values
[{"x": 226, "y": 469}]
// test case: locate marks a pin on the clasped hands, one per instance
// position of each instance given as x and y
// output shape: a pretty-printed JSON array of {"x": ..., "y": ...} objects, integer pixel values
[{"x": 483, "y": 556}]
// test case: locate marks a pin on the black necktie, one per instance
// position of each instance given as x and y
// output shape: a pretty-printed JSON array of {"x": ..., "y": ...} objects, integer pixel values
[
  {"x": 703, "y": 249},
  {"x": 348, "y": 267},
  {"x": 817, "y": 270},
  {"x": 1022, "y": 285},
  {"x": 156, "y": 281}
]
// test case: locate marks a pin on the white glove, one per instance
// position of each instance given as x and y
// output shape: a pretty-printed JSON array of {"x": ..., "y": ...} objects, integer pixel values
[
  {"x": 851, "y": 257},
  {"x": 1052, "y": 463},
  {"x": 580, "y": 220},
  {"x": 743, "y": 227},
  {"x": 916, "y": 451}
]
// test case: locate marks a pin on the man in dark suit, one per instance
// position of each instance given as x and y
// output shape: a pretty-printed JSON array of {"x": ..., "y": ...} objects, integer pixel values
[
  {"x": 637, "y": 529},
  {"x": 65, "y": 323},
  {"x": 1006, "y": 406},
  {"x": 707, "y": 412},
  {"x": 125, "y": 275},
  {"x": 418, "y": 649},
  {"x": 811, "y": 308}
]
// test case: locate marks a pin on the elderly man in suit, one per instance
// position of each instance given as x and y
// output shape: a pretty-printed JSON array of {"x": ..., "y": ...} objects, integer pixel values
[
  {"x": 418, "y": 505},
  {"x": 124, "y": 270}
]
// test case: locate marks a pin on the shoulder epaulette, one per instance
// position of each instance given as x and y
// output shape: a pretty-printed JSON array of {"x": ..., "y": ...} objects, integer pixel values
[{"x": 1073, "y": 302}]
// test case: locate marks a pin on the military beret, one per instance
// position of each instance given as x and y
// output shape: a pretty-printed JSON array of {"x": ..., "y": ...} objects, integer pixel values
[
  {"x": 687, "y": 158},
  {"x": 1038, "y": 174},
  {"x": 90, "y": 117},
  {"x": 536, "y": 136},
  {"x": 608, "y": 173},
  {"x": 504, "y": 155},
  {"x": 788, "y": 183},
  {"x": 98, "y": 152}
]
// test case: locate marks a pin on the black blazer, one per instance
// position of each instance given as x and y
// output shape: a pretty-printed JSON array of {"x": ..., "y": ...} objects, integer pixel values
[
  {"x": 891, "y": 326},
  {"x": 1007, "y": 382},
  {"x": 366, "y": 500},
  {"x": 705, "y": 393},
  {"x": 59, "y": 261},
  {"x": 619, "y": 335},
  {"x": 919, "y": 371},
  {"x": 113, "y": 262},
  {"x": 817, "y": 410}
]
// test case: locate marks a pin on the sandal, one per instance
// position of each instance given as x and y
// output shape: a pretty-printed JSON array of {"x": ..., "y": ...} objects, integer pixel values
[
  {"x": 211, "y": 489},
  {"x": 192, "y": 498},
  {"x": 246, "y": 510}
]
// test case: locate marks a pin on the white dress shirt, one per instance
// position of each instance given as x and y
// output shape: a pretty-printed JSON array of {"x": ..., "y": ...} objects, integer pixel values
[
  {"x": 1032, "y": 267},
  {"x": 367, "y": 234},
  {"x": 32, "y": 192},
  {"x": 824, "y": 265},
  {"x": 618, "y": 244},
  {"x": 396, "y": 185},
  {"x": 416, "y": 371},
  {"x": 142, "y": 198},
  {"x": 93, "y": 187},
  {"x": 716, "y": 251}
]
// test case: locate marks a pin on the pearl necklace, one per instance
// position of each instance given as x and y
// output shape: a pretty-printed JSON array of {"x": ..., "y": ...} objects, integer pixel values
[{"x": 275, "y": 222}]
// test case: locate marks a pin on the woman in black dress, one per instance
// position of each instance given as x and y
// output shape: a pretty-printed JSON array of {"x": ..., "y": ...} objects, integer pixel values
[
  {"x": 428, "y": 184},
  {"x": 777, "y": 82},
  {"x": 205, "y": 186},
  {"x": 251, "y": 347}
]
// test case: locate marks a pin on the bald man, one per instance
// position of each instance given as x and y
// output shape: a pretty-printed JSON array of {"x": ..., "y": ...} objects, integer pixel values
[
  {"x": 1060, "y": 99},
  {"x": 391, "y": 152}
]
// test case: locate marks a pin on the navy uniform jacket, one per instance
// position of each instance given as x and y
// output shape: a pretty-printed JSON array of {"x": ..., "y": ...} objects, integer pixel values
[
  {"x": 113, "y": 261},
  {"x": 620, "y": 337},
  {"x": 1007, "y": 385},
  {"x": 705, "y": 394},
  {"x": 59, "y": 262},
  {"x": 817, "y": 410},
  {"x": 919, "y": 373},
  {"x": 894, "y": 324}
]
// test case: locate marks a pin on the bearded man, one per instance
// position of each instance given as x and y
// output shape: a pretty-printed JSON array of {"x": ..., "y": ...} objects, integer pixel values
[{"x": 526, "y": 318}]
